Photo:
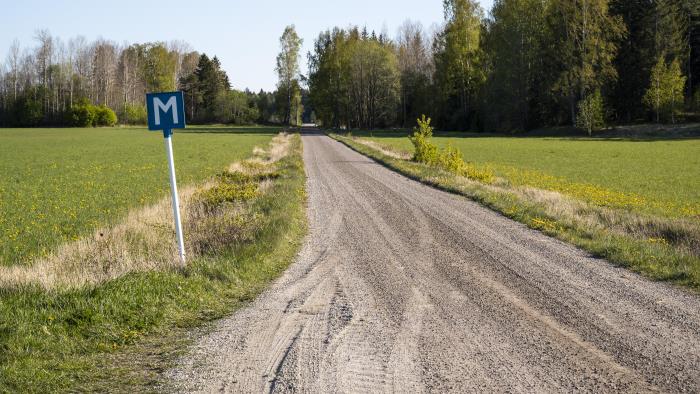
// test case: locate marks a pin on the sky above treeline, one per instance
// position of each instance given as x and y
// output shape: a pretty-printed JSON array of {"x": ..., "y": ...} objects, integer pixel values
[{"x": 244, "y": 34}]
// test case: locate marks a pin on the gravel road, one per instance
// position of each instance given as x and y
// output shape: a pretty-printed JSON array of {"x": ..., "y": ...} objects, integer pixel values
[{"x": 404, "y": 288}]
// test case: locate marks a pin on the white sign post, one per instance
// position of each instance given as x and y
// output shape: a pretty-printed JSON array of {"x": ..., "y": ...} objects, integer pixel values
[
  {"x": 176, "y": 199},
  {"x": 160, "y": 105}
]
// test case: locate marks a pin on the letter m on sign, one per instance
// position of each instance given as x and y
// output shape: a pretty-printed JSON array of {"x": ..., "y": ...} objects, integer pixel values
[{"x": 166, "y": 111}]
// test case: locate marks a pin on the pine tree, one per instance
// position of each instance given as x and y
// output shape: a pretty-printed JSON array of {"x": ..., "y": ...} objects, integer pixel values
[
  {"x": 670, "y": 26},
  {"x": 514, "y": 41},
  {"x": 209, "y": 89},
  {"x": 676, "y": 22},
  {"x": 635, "y": 57}
]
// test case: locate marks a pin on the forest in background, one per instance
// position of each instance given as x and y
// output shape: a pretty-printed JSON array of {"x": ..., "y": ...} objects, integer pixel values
[
  {"x": 79, "y": 83},
  {"x": 528, "y": 64}
]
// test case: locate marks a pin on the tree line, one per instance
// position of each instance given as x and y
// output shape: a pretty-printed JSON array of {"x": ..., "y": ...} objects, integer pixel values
[
  {"x": 528, "y": 64},
  {"x": 81, "y": 83}
]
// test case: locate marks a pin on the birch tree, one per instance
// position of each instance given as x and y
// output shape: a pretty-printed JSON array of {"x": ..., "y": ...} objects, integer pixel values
[
  {"x": 104, "y": 72},
  {"x": 416, "y": 68},
  {"x": 288, "y": 68},
  {"x": 458, "y": 58},
  {"x": 13, "y": 62},
  {"x": 665, "y": 93}
]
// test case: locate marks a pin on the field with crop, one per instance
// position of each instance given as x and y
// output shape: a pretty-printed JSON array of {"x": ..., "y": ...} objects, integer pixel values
[
  {"x": 118, "y": 327},
  {"x": 654, "y": 176},
  {"x": 635, "y": 202},
  {"x": 57, "y": 185}
]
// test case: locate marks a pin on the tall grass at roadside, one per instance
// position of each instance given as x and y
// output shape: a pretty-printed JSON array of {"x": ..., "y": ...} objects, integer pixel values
[
  {"x": 60, "y": 185},
  {"x": 118, "y": 334},
  {"x": 658, "y": 174},
  {"x": 661, "y": 248},
  {"x": 598, "y": 195},
  {"x": 449, "y": 158}
]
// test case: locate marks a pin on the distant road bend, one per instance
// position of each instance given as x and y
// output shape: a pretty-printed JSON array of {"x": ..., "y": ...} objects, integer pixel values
[{"x": 404, "y": 288}]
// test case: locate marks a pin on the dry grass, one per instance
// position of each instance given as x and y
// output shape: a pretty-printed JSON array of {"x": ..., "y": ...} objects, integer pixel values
[
  {"x": 384, "y": 149},
  {"x": 278, "y": 149},
  {"x": 661, "y": 247},
  {"x": 682, "y": 233},
  {"x": 143, "y": 241},
  {"x": 110, "y": 337}
]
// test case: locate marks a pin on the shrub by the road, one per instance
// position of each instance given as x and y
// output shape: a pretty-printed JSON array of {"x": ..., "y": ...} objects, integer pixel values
[
  {"x": 134, "y": 114},
  {"x": 449, "y": 159},
  {"x": 87, "y": 115},
  {"x": 105, "y": 116},
  {"x": 426, "y": 152},
  {"x": 591, "y": 115},
  {"x": 652, "y": 232},
  {"x": 82, "y": 115}
]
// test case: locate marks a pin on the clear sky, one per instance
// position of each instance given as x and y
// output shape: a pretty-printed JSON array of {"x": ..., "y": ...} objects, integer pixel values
[{"x": 243, "y": 34}]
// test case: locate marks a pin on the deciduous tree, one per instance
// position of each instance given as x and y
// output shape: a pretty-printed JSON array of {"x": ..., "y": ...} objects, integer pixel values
[
  {"x": 666, "y": 87},
  {"x": 288, "y": 69},
  {"x": 458, "y": 58}
]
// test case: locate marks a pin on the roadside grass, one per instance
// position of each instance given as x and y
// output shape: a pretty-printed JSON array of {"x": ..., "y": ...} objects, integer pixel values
[
  {"x": 58, "y": 185},
  {"x": 647, "y": 174},
  {"x": 119, "y": 335},
  {"x": 660, "y": 247}
]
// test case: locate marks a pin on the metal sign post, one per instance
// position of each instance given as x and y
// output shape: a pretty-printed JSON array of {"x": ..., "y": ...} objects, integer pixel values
[
  {"x": 166, "y": 111},
  {"x": 173, "y": 189}
]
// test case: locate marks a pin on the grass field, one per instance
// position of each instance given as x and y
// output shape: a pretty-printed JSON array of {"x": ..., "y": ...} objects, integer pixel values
[
  {"x": 57, "y": 185},
  {"x": 655, "y": 176},
  {"x": 633, "y": 202},
  {"x": 119, "y": 335}
]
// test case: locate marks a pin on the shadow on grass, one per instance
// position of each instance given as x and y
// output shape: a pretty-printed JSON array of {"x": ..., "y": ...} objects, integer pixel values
[
  {"x": 633, "y": 133},
  {"x": 203, "y": 129}
]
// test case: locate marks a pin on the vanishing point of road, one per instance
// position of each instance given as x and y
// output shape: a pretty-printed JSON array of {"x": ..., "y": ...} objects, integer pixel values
[{"x": 404, "y": 288}]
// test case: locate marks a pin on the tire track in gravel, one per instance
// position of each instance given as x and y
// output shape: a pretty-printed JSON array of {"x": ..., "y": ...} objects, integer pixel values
[{"x": 404, "y": 288}]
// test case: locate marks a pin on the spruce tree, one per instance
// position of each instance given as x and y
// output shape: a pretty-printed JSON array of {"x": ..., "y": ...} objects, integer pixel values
[
  {"x": 587, "y": 37},
  {"x": 514, "y": 42},
  {"x": 635, "y": 57}
]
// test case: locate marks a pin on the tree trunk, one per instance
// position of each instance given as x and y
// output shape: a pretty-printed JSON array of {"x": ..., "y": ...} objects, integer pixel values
[{"x": 289, "y": 104}]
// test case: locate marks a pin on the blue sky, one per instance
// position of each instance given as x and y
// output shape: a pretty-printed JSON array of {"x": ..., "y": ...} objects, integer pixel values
[{"x": 244, "y": 34}]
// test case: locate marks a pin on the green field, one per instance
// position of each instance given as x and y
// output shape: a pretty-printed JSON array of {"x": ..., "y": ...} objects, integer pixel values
[
  {"x": 653, "y": 229},
  {"x": 57, "y": 185},
  {"x": 656, "y": 176},
  {"x": 120, "y": 335}
]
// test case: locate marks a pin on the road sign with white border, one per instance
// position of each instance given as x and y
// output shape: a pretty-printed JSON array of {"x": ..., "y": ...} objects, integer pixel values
[{"x": 166, "y": 111}]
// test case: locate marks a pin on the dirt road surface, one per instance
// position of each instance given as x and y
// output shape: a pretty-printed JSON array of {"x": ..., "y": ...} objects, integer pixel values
[{"x": 404, "y": 288}]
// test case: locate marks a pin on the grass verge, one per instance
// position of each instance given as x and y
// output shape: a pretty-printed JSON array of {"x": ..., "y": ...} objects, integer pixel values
[
  {"x": 60, "y": 185},
  {"x": 660, "y": 248},
  {"x": 654, "y": 175},
  {"x": 118, "y": 335}
]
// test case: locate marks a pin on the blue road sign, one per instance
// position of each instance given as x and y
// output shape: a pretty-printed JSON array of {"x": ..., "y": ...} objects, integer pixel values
[{"x": 166, "y": 111}]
